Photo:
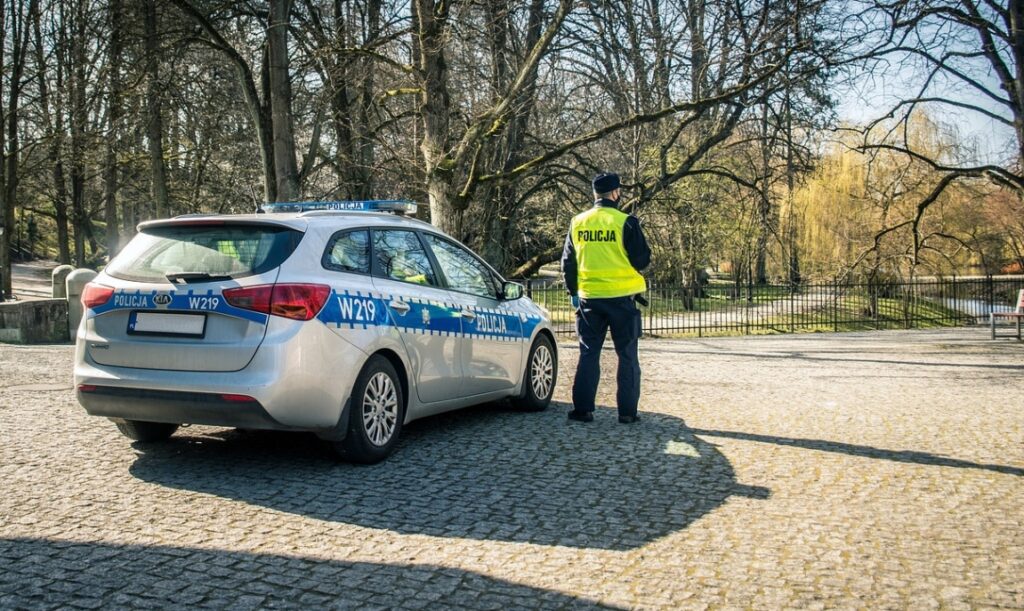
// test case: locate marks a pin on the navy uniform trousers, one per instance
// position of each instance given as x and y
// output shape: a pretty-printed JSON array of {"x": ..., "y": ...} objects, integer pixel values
[{"x": 593, "y": 320}]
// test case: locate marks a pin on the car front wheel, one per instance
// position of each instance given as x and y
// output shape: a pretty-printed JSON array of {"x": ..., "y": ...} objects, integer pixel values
[
  {"x": 376, "y": 412},
  {"x": 540, "y": 376}
]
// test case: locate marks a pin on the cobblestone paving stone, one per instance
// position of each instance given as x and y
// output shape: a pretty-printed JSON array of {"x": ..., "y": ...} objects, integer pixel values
[{"x": 875, "y": 470}]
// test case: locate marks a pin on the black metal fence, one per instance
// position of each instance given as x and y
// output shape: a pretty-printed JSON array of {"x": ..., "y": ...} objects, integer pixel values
[{"x": 730, "y": 309}]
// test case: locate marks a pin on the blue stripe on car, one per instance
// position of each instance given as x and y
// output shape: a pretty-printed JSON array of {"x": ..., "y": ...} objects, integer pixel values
[
  {"x": 359, "y": 310},
  {"x": 189, "y": 301}
]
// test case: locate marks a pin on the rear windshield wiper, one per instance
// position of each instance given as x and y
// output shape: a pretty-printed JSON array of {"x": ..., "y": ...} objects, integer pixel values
[{"x": 188, "y": 277}]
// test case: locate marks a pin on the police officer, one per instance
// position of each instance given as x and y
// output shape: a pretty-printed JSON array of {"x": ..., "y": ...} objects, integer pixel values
[{"x": 601, "y": 262}]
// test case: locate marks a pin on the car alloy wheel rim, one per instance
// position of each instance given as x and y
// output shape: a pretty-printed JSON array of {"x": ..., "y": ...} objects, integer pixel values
[
  {"x": 541, "y": 372},
  {"x": 380, "y": 409}
]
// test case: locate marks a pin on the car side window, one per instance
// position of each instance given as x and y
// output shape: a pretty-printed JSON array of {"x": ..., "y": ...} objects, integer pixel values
[
  {"x": 464, "y": 272},
  {"x": 348, "y": 251},
  {"x": 400, "y": 256}
]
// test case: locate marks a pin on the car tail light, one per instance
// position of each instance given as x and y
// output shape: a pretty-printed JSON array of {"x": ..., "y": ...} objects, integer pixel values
[
  {"x": 232, "y": 398},
  {"x": 256, "y": 298},
  {"x": 96, "y": 295},
  {"x": 86, "y": 388},
  {"x": 295, "y": 301}
]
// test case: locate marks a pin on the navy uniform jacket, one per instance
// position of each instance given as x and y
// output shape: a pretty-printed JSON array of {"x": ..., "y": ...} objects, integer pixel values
[{"x": 633, "y": 240}]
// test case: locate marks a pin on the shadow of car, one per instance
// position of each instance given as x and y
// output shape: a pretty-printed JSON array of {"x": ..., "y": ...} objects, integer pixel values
[
  {"x": 485, "y": 473},
  {"x": 43, "y": 573}
]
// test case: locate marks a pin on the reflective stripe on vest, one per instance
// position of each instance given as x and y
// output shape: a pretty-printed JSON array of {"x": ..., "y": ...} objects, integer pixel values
[{"x": 602, "y": 266}]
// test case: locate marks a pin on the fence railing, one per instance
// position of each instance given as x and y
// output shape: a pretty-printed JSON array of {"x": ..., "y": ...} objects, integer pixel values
[{"x": 730, "y": 309}]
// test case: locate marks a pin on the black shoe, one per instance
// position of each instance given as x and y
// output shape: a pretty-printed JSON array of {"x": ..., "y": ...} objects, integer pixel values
[
  {"x": 579, "y": 416},
  {"x": 628, "y": 419}
]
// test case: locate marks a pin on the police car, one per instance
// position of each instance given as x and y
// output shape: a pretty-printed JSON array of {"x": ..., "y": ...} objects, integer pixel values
[{"x": 340, "y": 318}]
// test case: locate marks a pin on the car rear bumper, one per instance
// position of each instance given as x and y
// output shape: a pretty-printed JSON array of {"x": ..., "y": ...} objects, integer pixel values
[
  {"x": 175, "y": 407},
  {"x": 299, "y": 379}
]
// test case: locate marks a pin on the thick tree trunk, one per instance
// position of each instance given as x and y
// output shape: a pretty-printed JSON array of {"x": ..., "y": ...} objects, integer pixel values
[
  {"x": 281, "y": 102},
  {"x": 5, "y": 203},
  {"x": 1015, "y": 11},
  {"x": 154, "y": 116},
  {"x": 435, "y": 112}
]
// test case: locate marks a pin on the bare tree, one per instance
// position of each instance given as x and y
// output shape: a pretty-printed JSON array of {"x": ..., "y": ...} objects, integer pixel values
[
  {"x": 258, "y": 106},
  {"x": 52, "y": 116},
  {"x": 951, "y": 44},
  {"x": 14, "y": 16}
]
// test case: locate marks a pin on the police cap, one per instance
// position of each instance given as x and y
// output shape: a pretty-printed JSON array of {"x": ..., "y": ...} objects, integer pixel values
[{"x": 606, "y": 182}]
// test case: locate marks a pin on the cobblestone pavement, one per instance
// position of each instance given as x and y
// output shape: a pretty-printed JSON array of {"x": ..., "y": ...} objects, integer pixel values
[{"x": 881, "y": 470}]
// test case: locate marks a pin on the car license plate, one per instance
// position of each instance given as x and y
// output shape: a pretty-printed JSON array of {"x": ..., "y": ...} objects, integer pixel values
[{"x": 161, "y": 323}]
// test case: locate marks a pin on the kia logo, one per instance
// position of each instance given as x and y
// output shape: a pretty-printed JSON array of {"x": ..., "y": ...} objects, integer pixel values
[{"x": 162, "y": 299}]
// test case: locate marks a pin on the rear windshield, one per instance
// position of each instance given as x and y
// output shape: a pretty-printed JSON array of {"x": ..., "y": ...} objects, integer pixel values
[{"x": 201, "y": 252}]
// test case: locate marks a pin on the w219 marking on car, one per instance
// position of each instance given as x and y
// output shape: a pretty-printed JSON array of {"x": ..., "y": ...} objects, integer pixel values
[
  {"x": 330, "y": 317},
  {"x": 203, "y": 303},
  {"x": 360, "y": 310}
]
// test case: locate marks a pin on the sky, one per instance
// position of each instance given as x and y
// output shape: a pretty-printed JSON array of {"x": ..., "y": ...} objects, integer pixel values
[
  {"x": 993, "y": 142},
  {"x": 875, "y": 91}
]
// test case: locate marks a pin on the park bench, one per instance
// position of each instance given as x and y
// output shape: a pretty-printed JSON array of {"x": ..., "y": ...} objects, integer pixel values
[{"x": 1015, "y": 315}]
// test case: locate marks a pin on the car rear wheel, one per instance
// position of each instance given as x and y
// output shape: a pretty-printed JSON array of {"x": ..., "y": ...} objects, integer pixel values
[
  {"x": 146, "y": 431},
  {"x": 375, "y": 414},
  {"x": 540, "y": 376}
]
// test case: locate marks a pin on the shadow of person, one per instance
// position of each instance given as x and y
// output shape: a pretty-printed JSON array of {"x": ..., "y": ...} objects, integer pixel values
[
  {"x": 903, "y": 456},
  {"x": 40, "y": 573},
  {"x": 484, "y": 473}
]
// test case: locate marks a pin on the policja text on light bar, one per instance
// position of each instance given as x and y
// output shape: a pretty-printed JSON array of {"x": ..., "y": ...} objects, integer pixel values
[{"x": 401, "y": 206}]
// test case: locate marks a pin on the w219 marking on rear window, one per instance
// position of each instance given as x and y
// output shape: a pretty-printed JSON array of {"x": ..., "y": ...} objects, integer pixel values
[
  {"x": 356, "y": 309},
  {"x": 203, "y": 303}
]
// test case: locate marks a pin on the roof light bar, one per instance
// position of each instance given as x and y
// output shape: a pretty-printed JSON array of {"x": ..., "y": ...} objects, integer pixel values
[{"x": 400, "y": 206}]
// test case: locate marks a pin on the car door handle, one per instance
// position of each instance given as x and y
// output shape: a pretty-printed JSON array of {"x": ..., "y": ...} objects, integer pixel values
[
  {"x": 399, "y": 306},
  {"x": 470, "y": 314}
]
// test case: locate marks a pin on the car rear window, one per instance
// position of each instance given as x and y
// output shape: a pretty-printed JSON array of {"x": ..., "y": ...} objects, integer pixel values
[{"x": 216, "y": 251}]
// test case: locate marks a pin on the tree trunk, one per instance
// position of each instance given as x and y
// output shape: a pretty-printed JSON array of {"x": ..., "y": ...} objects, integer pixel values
[
  {"x": 792, "y": 234},
  {"x": 154, "y": 116},
  {"x": 281, "y": 102},
  {"x": 53, "y": 128},
  {"x": 435, "y": 112},
  {"x": 365, "y": 186},
  {"x": 113, "y": 128},
  {"x": 764, "y": 204},
  {"x": 78, "y": 123},
  {"x": 5, "y": 203},
  {"x": 341, "y": 108},
  {"x": 1015, "y": 10}
]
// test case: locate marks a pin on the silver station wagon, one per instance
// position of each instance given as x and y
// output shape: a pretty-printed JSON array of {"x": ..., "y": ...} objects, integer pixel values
[{"x": 320, "y": 316}]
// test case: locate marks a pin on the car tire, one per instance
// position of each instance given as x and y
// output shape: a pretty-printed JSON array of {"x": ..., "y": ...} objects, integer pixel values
[
  {"x": 146, "y": 431},
  {"x": 376, "y": 412},
  {"x": 540, "y": 376}
]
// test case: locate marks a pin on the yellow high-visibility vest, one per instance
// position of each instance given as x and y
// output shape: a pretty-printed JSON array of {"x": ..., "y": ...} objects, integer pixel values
[{"x": 602, "y": 265}]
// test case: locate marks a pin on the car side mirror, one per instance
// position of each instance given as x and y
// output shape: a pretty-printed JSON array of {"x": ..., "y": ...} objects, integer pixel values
[{"x": 511, "y": 291}]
